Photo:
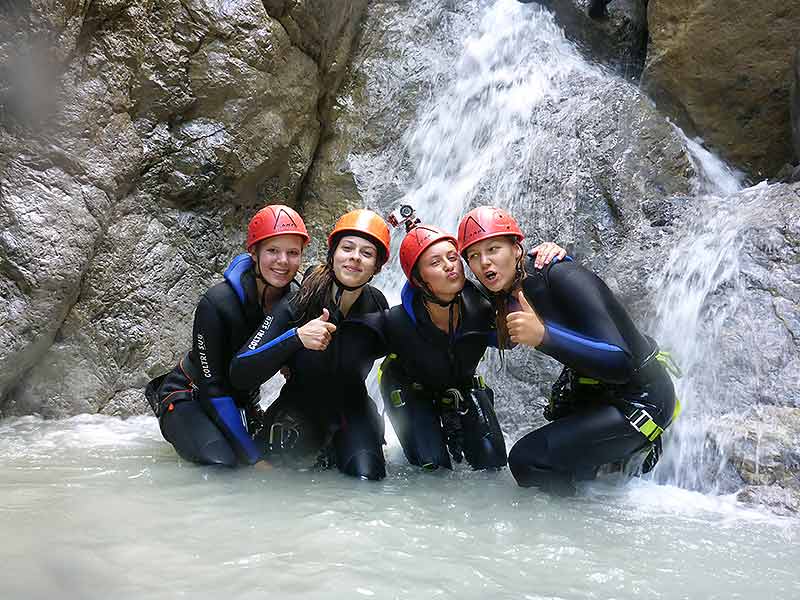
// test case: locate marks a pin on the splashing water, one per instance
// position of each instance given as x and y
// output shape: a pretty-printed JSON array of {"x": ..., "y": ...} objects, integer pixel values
[
  {"x": 474, "y": 143},
  {"x": 492, "y": 134},
  {"x": 701, "y": 290}
]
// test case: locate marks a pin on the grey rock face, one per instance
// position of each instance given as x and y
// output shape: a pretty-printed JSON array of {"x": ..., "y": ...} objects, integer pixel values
[
  {"x": 742, "y": 355},
  {"x": 721, "y": 70},
  {"x": 127, "y": 191},
  {"x": 619, "y": 39},
  {"x": 363, "y": 159},
  {"x": 764, "y": 447},
  {"x": 795, "y": 109},
  {"x": 750, "y": 319},
  {"x": 779, "y": 500},
  {"x": 326, "y": 31}
]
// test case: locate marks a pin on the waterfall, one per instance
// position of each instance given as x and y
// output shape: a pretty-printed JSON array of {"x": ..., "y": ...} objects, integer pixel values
[
  {"x": 506, "y": 126},
  {"x": 700, "y": 288},
  {"x": 474, "y": 143}
]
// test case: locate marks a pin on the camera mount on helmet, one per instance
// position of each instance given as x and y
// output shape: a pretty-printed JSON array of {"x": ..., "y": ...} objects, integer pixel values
[{"x": 403, "y": 214}]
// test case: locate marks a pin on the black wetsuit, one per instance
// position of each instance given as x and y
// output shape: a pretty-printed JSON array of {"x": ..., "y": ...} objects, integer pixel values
[
  {"x": 614, "y": 371},
  {"x": 324, "y": 402},
  {"x": 424, "y": 364},
  {"x": 199, "y": 411}
]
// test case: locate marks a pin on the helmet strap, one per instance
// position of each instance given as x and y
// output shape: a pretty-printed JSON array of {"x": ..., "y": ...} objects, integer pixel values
[
  {"x": 519, "y": 271},
  {"x": 451, "y": 318},
  {"x": 429, "y": 296},
  {"x": 262, "y": 279}
]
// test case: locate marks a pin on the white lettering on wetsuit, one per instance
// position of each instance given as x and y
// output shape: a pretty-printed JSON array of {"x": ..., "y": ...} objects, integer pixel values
[
  {"x": 260, "y": 333},
  {"x": 201, "y": 348}
]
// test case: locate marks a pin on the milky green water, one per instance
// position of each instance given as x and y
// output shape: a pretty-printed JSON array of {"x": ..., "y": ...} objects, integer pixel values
[{"x": 97, "y": 507}]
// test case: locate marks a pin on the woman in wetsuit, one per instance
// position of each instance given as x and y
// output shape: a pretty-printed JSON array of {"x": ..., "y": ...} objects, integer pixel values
[
  {"x": 200, "y": 413},
  {"x": 328, "y": 335},
  {"x": 436, "y": 338},
  {"x": 614, "y": 397}
]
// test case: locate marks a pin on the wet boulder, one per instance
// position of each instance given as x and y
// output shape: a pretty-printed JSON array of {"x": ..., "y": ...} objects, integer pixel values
[
  {"x": 779, "y": 500},
  {"x": 759, "y": 346},
  {"x": 763, "y": 445},
  {"x": 726, "y": 304},
  {"x": 618, "y": 38},
  {"x": 722, "y": 71}
]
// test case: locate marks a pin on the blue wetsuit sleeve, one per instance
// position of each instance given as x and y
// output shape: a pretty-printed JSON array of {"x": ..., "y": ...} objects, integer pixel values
[
  {"x": 491, "y": 339},
  {"x": 215, "y": 391},
  {"x": 230, "y": 421},
  {"x": 593, "y": 344},
  {"x": 267, "y": 350}
]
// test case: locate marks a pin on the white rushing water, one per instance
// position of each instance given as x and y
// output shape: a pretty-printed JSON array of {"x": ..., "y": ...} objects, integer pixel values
[
  {"x": 93, "y": 507},
  {"x": 702, "y": 261}
]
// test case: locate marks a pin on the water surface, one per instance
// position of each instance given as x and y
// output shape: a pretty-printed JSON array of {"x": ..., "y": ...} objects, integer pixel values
[{"x": 95, "y": 506}]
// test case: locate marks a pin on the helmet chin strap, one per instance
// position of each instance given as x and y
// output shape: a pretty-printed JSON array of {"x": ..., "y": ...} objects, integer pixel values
[
  {"x": 429, "y": 296},
  {"x": 260, "y": 277},
  {"x": 340, "y": 288}
]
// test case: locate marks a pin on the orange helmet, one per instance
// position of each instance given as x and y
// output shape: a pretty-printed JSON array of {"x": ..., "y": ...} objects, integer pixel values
[
  {"x": 272, "y": 220},
  {"x": 363, "y": 222},
  {"x": 486, "y": 222},
  {"x": 417, "y": 241}
]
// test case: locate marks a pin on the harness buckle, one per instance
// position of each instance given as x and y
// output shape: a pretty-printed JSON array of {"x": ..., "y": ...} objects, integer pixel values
[
  {"x": 452, "y": 396},
  {"x": 396, "y": 398},
  {"x": 288, "y": 435},
  {"x": 642, "y": 422},
  {"x": 478, "y": 382}
]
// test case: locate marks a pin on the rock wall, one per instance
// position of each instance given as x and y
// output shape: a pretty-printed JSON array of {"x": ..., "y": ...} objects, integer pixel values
[
  {"x": 795, "y": 112},
  {"x": 131, "y": 157},
  {"x": 363, "y": 160},
  {"x": 723, "y": 71},
  {"x": 618, "y": 40},
  {"x": 764, "y": 448}
]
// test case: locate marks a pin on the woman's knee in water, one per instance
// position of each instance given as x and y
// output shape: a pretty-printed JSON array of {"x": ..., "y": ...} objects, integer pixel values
[{"x": 365, "y": 464}]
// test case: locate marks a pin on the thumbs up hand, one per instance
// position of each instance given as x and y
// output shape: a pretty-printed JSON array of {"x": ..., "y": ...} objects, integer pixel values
[
  {"x": 525, "y": 326},
  {"x": 317, "y": 333}
]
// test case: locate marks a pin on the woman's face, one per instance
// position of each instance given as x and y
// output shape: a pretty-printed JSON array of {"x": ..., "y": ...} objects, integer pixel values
[
  {"x": 494, "y": 262},
  {"x": 441, "y": 268},
  {"x": 279, "y": 258},
  {"x": 355, "y": 260}
]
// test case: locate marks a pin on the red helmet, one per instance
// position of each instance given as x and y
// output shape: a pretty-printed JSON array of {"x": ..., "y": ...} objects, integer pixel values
[
  {"x": 417, "y": 241},
  {"x": 272, "y": 220},
  {"x": 486, "y": 222},
  {"x": 365, "y": 222}
]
